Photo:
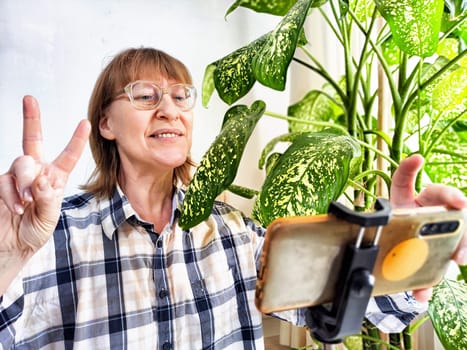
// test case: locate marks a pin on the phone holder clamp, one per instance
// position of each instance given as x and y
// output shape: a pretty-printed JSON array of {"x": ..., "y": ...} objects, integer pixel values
[{"x": 344, "y": 315}]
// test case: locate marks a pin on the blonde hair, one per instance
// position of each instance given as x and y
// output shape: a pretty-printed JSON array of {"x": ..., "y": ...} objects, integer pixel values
[{"x": 127, "y": 66}]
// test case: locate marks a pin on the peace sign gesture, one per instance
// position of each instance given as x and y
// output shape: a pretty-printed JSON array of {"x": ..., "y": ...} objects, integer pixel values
[{"x": 31, "y": 192}]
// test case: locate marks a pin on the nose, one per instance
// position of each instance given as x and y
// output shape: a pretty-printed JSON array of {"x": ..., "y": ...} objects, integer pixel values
[{"x": 167, "y": 108}]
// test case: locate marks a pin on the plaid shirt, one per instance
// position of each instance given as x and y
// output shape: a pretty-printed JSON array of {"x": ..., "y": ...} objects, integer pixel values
[{"x": 106, "y": 280}]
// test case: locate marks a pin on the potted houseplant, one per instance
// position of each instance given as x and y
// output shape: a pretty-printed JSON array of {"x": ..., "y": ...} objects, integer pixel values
[{"x": 335, "y": 137}]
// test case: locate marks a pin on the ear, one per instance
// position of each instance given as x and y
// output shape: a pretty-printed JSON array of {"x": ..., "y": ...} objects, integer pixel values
[{"x": 104, "y": 128}]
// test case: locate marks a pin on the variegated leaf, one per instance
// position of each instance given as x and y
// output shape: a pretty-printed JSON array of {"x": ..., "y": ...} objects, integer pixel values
[
  {"x": 289, "y": 138},
  {"x": 448, "y": 313},
  {"x": 415, "y": 24},
  {"x": 451, "y": 92},
  {"x": 273, "y": 7},
  {"x": 233, "y": 76},
  {"x": 315, "y": 106},
  {"x": 219, "y": 165},
  {"x": 270, "y": 64},
  {"x": 310, "y": 174},
  {"x": 208, "y": 84}
]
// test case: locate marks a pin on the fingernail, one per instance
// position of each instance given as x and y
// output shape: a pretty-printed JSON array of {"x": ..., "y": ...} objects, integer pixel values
[
  {"x": 27, "y": 195},
  {"x": 19, "y": 209}
]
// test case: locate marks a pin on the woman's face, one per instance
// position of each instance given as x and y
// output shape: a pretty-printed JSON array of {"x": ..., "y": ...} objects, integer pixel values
[{"x": 149, "y": 139}]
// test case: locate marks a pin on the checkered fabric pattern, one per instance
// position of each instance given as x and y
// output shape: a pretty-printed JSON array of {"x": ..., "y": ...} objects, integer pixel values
[{"x": 106, "y": 280}]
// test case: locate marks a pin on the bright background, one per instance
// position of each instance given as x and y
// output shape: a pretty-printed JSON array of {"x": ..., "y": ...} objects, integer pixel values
[{"x": 54, "y": 50}]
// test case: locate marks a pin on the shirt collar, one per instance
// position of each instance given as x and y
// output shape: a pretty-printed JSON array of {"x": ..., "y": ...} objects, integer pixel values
[{"x": 117, "y": 209}]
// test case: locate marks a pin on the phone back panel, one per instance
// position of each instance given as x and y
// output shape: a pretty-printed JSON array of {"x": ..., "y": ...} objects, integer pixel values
[{"x": 302, "y": 256}]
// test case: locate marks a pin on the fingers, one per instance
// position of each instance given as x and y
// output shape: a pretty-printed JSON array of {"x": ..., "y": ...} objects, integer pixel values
[
  {"x": 460, "y": 256},
  {"x": 9, "y": 194},
  {"x": 15, "y": 186},
  {"x": 24, "y": 170},
  {"x": 423, "y": 295},
  {"x": 67, "y": 160},
  {"x": 47, "y": 195},
  {"x": 32, "y": 130},
  {"x": 403, "y": 181},
  {"x": 437, "y": 194}
]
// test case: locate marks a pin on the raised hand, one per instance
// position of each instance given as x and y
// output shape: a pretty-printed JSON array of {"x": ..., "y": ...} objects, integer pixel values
[
  {"x": 403, "y": 195},
  {"x": 31, "y": 191}
]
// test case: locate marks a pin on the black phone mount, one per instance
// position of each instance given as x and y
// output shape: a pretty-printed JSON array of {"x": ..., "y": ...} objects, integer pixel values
[{"x": 344, "y": 316}]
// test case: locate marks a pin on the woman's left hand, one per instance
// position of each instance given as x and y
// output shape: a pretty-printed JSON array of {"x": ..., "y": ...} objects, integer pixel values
[{"x": 403, "y": 195}]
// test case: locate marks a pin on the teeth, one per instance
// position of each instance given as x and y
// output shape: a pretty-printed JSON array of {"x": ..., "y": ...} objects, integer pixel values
[{"x": 168, "y": 134}]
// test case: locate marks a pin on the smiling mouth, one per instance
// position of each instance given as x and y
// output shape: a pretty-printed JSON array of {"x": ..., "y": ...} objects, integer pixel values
[{"x": 166, "y": 135}]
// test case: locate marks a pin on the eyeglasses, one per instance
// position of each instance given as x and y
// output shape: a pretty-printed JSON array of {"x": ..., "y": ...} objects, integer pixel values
[{"x": 147, "y": 95}]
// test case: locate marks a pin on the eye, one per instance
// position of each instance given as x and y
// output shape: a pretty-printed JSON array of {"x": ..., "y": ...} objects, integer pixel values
[
  {"x": 180, "y": 93},
  {"x": 146, "y": 98},
  {"x": 180, "y": 97},
  {"x": 145, "y": 95}
]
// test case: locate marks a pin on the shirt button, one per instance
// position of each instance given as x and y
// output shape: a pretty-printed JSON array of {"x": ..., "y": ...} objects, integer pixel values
[
  {"x": 166, "y": 346},
  {"x": 159, "y": 244},
  {"x": 163, "y": 293}
]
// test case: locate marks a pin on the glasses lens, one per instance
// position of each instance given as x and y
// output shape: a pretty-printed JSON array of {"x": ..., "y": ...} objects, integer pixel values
[
  {"x": 184, "y": 96},
  {"x": 145, "y": 95}
]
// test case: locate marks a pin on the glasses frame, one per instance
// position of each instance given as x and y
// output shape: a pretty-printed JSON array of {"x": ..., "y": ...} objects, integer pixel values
[{"x": 128, "y": 92}]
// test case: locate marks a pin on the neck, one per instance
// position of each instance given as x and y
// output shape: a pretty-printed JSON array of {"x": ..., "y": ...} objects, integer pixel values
[{"x": 151, "y": 198}]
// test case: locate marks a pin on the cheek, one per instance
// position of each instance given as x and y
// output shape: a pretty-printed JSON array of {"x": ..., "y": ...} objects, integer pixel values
[{"x": 188, "y": 122}]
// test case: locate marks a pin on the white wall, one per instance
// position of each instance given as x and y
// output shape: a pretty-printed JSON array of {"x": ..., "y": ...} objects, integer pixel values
[{"x": 55, "y": 49}]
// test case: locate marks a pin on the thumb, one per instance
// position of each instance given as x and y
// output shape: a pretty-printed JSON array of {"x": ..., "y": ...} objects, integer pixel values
[{"x": 402, "y": 192}]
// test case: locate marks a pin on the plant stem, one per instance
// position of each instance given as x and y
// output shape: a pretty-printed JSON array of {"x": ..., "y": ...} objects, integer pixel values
[
  {"x": 311, "y": 122},
  {"x": 395, "y": 339},
  {"x": 323, "y": 73},
  {"x": 407, "y": 338}
]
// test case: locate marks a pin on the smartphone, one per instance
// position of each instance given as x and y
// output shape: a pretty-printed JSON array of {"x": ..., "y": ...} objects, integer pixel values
[{"x": 303, "y": 256}]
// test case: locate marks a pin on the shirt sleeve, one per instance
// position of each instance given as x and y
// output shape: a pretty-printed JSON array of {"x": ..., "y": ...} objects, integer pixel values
[
  {"x": 11, "y": 308},
  {"x": 392, "y": 313}
]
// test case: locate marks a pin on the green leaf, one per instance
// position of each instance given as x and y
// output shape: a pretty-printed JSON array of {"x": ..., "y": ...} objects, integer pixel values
[
  {"x": 242, "y": 191},
  {"x": 415, "y": 24},
  {"x": 353, "y": 343},
  {"x": 363, "y": 9},
  {"x": 310, "y": 174},
  {"x": 290, "y": 137},
  {"x": 208, "y": 84},
  {"x": 272, "y": 161},
  {"x": 233, "y": 75},
  {"x": 273, "y": 7},
  {"x": 448, "y": 313},
  {"x": 463, "y": 274},
  {"x": 447, "y": 162},
  {"x": 451, "y": 91},
  {"x": 315, "y": 106},
  {"x": 219, "y": 165},
  {"x": 391, "y": 51},
  {"x": 271, "y": 62}
]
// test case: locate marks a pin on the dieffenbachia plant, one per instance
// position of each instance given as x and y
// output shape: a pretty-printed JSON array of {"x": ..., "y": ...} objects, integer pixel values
[
  {"x": 419, "y": 46},
  {"x": 219, "y": 165}
]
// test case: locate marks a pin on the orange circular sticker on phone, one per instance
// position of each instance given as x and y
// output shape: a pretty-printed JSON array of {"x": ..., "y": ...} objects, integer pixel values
[{"x": 404, "y": 259}]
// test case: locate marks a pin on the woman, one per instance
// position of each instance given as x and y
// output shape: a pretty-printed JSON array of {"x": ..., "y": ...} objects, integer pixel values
[{"x": 110, "y": 268}]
